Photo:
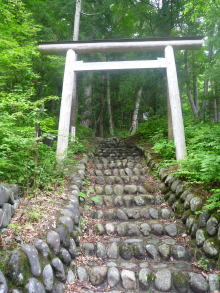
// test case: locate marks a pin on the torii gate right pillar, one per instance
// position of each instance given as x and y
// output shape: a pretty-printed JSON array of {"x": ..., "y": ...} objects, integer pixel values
[{"x": 175, "y": 104}]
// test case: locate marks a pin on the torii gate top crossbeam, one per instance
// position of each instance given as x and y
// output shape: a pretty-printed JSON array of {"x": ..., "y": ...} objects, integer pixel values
[{"x": 124, "y": 45}]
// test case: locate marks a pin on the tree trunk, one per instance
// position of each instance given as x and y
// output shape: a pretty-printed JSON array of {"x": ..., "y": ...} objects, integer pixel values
[
  {"x": 86, "y": 115},
  {"x": 170, "y": 123},
  {"x": 189, "y": 93},
  {"x": 111, "y": 127},
  {"x": 134, "y": 124},
  {"x": 101, "y": 128},
  {"x": 77, "y": 20}
]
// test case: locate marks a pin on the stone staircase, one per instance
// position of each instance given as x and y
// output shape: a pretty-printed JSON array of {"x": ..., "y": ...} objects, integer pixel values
[{"x": 132, "y": 241}]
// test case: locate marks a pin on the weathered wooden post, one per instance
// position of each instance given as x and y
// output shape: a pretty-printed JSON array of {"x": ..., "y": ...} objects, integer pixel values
[
  {"x": 175, "y": 104},
  {"x": 66, "y": 102}
]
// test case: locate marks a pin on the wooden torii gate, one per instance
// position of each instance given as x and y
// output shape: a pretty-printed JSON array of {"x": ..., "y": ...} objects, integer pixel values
[{"x": 106, "y": 46}]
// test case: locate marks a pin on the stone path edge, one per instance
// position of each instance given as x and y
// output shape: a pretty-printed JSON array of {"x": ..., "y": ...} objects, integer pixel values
[{"x": 203, "y": 228}]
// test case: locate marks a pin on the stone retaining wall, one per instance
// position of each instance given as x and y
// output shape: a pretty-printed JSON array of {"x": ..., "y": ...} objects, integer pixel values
[
  {"x": 204, "y": 227},
  {"x": 47, "y": 265},
  {"x": 8, "y": 203}
]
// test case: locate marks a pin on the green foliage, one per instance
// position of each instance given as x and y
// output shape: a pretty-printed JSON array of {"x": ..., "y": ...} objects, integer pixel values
[
  {"x": 154, "y": 128},
  {"x": 213, "y": 203},
  {"x": 85, "y": 197}
]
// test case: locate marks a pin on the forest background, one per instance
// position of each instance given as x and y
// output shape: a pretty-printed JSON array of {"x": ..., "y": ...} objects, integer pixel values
[{"x": 108, "y": 103}]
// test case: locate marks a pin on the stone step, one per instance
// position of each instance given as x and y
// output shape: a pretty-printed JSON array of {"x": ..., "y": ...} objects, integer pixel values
[
  {"x": 112, "y": 180},
  {"x": 114, "y": 158},
  {"x": 125, "y": 172},
  {"x": 127, "y": 201},
  {"x": 138, "y": 229},
  {"x": 119, "y": 164},
  {"x": 137, "y": 213},
  {"x": 119, "y": 189},
  {"x": 154, "y": 279},
  {"x": 154, "y": 250}
]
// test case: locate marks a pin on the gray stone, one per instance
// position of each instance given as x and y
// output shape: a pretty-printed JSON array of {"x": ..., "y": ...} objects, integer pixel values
[
  {"x": 189, "y": 222},
  {"x": 212, "y": 226},
  {"x": 119, "y": 190},
  {"x": 110, "y": 180},
  {"x": 42, "y": 247},
  {"x": 133, "y": 213},
  {"x": 72, "y": 248},
  {"x": 99, "y": 229},
  {"x": 128, "y": 172},
  {"x": 118, "y": 201},
  {"x": 115, "y": 172},
  {"x": 68, "y": 213},
  {"x": 82, "y": 274},
  {"x": 109, "y": 228},
  {"x": 133, "y": 230},
  {"x": 64, "y": 256},
  {"x": 130, "y": 189},
  {"x": 58, "y": 269},
  {"x": 89, "y": 248},
  {"x": 99, "y": 214},
  {"x": 200, "y": 237},
  {"x": 136, "y": 171},
  {"x": 144, "y": 213},
  {"x": 157, "y": 229},
  {"x": 108, "y": 190},
  {"x": 139, "y": 200},
  {"x": 179, "y": 189},
  {"x": 107, "y": 173},
  {"x": 70, "y": 276},
  {"x": 171, "y": 230},
  {"x": 113, "y": 251},
  {"x": 179, "y": 253},
  {"x": 165, "y": 213},
  {"x": 175, "y": 184},
  {"x": 74, "y": 210},
  {"x": 184, "y": 195},
  {"x": 126, "y": 250},
  {"x": 59, "y": 288},
  {"x": 151, "y": 251},
  {"x": 122, "y": 173},
  {"x": 121, "y": 215},
  {"x": 110, "y": 214},
  {"x": 5, "y": 193},
  {"x": 122, "y": 229},
  {"x": 98, "y": 173},
  {"x": 64, "y": 233},
  {"x": 98, "y": 189},
  {"x": 196, "y": 204},
  {"x": 171, "y": 200},
  {"x": 203, "y": 218},
  {"x": 53, "y": 240},
  {"x": 141, "y": 189},
  {"x": 164, "y": 251},
  {"x": 98, "y": 275},
  {"x": 150, "y": 199},
  {"x": 100, "y": 250},
  {"x": 214, "y": 283},
  {"x": 128, "y": 200},
  {"x": 108, "y": 200},
  {"x": 139, "y": 251},
  {"x": 113, "y": 276},
  {"x": 32, "y": 255},
  {"x": 180, "y": 281},
  {"x": 189, "y": 197},
  {"x": 128, "y": 280},
  {"x": 66, "y": 221},
  {"x": 145, "y": 229},
  {"x": 48, "y": 277},
  {"x": 6, "y": 215},
  {"x": 198, "y": 284},
  {"x": 145, "y": 276},
  {"x": 154, "y": 213},
  {"x": 210, "y": 249},
  {"x": 100, "y": 180},
  {"x": 34, "y": 286},
  {"x": 16, "y": 265},
  {"x": 163, "y": 280},
  {"x": 159, "y": 199},
  {"x": 3, "y": 284}
]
